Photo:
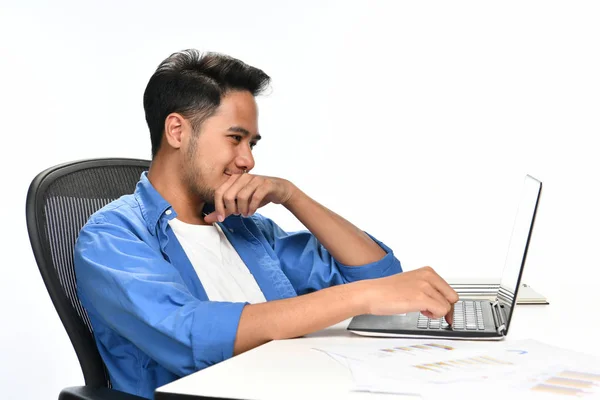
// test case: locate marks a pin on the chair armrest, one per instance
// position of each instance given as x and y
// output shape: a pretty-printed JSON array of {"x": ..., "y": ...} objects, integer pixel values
[{"x": 99, "y": 393}]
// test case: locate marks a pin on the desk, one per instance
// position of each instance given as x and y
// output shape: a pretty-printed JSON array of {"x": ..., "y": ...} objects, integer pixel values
[{"x": 290, "y": 369}]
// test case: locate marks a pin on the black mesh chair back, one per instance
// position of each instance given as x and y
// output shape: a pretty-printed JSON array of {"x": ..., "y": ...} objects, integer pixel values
[{"x": 59, "y": 202}]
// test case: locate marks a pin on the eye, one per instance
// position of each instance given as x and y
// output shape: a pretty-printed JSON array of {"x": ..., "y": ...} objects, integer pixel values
[
  {"x": 252, "y": 144},
  {"x": 237, "y": 138}
]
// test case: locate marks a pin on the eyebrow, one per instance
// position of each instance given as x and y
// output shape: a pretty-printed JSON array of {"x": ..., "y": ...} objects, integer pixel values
[{"x": 243, "y": 131}]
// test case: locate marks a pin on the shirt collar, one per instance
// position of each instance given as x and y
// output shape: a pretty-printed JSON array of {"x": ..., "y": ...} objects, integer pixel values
[{"x": 152, "y": 204}]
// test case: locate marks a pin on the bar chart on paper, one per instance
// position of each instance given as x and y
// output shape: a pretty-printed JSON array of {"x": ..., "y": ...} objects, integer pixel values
[
  {"x": 394, "y": 353},
  {"x": 570, "y": 383},
  {"x": 435, "y": 361},
  {"x": 462, "y": 364},
  {"x": 442, "y": 359},
  {"x": 430, "y": 368},
  {"x": 416, "y": 349}
]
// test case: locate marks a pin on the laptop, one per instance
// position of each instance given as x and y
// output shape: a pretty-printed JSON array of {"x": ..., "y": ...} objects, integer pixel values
[{"x": 473, "y": 319}]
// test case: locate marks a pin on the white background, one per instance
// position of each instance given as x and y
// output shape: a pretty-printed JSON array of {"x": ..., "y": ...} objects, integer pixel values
[{"x": 417, "y": 121}]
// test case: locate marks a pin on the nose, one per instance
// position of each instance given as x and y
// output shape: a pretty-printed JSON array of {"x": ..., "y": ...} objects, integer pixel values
[{"x": 244, "y": 160}]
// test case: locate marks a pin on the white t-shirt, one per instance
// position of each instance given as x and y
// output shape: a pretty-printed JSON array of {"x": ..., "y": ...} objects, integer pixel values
[{"x": 224, "y": 276}]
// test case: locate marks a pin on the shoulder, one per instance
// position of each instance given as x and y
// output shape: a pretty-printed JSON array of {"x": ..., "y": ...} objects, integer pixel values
[
  {"x": 121, "y": 217},
  {"x": 122, "y": 210},
  {"x": 117, "y": 231}
]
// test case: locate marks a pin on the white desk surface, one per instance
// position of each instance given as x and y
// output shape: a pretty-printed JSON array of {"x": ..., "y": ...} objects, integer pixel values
[{"x": 291, "y": 369}]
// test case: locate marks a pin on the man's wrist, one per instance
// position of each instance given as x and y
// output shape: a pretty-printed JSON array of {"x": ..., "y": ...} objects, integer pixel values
[
  {"x": 361, "y": 296},
  {"x": 295, "y": 197}
]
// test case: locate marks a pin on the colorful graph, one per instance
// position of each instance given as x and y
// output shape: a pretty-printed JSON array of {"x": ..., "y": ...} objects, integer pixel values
[
  {"x": 570, "y": 383},
  {"x": 448, "y": 365},
  {"x": 417, "y": 348}
]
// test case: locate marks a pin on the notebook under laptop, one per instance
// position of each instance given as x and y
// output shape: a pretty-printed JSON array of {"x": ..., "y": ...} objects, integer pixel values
[{"x": 487, "y": 320}]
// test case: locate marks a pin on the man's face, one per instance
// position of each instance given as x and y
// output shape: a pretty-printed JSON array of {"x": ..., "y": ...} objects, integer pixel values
[{"x": 222, "y": 147}]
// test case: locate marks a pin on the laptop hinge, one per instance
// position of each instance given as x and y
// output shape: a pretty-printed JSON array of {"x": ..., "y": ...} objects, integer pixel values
[{"x": 498, "y": 318}]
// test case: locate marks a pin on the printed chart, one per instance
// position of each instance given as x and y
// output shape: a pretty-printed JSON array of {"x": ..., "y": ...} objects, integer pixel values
[{"x": 570, "y": 383}]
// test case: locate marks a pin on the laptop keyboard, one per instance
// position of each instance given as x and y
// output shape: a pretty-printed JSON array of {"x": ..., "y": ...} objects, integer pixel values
[{"x": 468, "y": 315}]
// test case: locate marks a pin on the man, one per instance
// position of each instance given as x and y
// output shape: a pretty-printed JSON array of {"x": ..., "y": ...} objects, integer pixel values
[{"x": 184, "y": 273}]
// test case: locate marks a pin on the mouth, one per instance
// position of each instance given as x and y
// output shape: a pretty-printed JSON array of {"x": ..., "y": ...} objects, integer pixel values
[{"x": 228, "y": 173}]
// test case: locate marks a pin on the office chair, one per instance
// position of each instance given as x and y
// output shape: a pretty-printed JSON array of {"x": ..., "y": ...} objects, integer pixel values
[{"x": 59, "y": 202}]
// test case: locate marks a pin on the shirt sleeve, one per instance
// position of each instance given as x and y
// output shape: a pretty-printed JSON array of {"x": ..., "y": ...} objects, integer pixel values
[
  {"x": 309, "y": 266},
  {"x": 134, "y": 291}
]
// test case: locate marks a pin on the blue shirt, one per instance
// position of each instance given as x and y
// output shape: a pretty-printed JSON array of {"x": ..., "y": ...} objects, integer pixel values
[{"x": 152, "y": 320}]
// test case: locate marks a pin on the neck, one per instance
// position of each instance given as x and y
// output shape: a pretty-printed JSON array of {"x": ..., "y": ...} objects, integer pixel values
[{"x": 165, "y": 176}]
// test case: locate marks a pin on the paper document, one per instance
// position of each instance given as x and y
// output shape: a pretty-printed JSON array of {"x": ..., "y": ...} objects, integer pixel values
[
  {"x": 432, "y": 367},
  {"x": 428, "y": 360}
]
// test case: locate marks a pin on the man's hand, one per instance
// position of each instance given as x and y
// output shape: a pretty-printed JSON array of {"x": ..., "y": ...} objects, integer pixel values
[
  {"x": 245, "y": 193},
  {"x": 419, "y": 290}
]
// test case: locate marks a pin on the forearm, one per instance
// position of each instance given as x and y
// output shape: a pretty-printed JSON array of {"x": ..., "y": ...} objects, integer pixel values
[
  {"x": 346, "y": 243},
  {"x": 298, "y": 316}
]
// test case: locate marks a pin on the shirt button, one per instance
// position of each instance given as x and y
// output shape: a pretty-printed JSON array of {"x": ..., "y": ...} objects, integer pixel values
[
  {"x": 230, "y": 230},
  {"x": 168, "y": 212}
]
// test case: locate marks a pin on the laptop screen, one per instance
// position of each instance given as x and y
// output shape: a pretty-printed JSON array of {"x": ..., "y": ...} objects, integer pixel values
[{"x": 519, "y": 242}]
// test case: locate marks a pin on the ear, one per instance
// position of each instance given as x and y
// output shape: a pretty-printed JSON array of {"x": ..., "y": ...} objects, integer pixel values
[{"x": 175, "y": 125}]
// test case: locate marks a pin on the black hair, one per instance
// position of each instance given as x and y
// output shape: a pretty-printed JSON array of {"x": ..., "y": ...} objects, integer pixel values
[{"x": 192, "y": 84}]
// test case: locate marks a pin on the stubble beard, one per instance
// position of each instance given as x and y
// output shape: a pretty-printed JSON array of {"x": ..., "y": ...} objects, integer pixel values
[{"x": 195, "y": 180}]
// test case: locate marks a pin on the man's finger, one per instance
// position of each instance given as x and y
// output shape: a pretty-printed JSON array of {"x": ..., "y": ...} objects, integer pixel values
[
  {"x": 257, "y": 198},
  {"x": 220, "y": 211},
  {"x": 244, "y": 197},
  {"x": 442, "y": 286},
  {"x": 450, "y": 315},
  {"x": 212, "y": 217},
  {"x": 432, "y": 292},
  {"x": 231, "y": 194},
  {"x": 434, "y": 307}
]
